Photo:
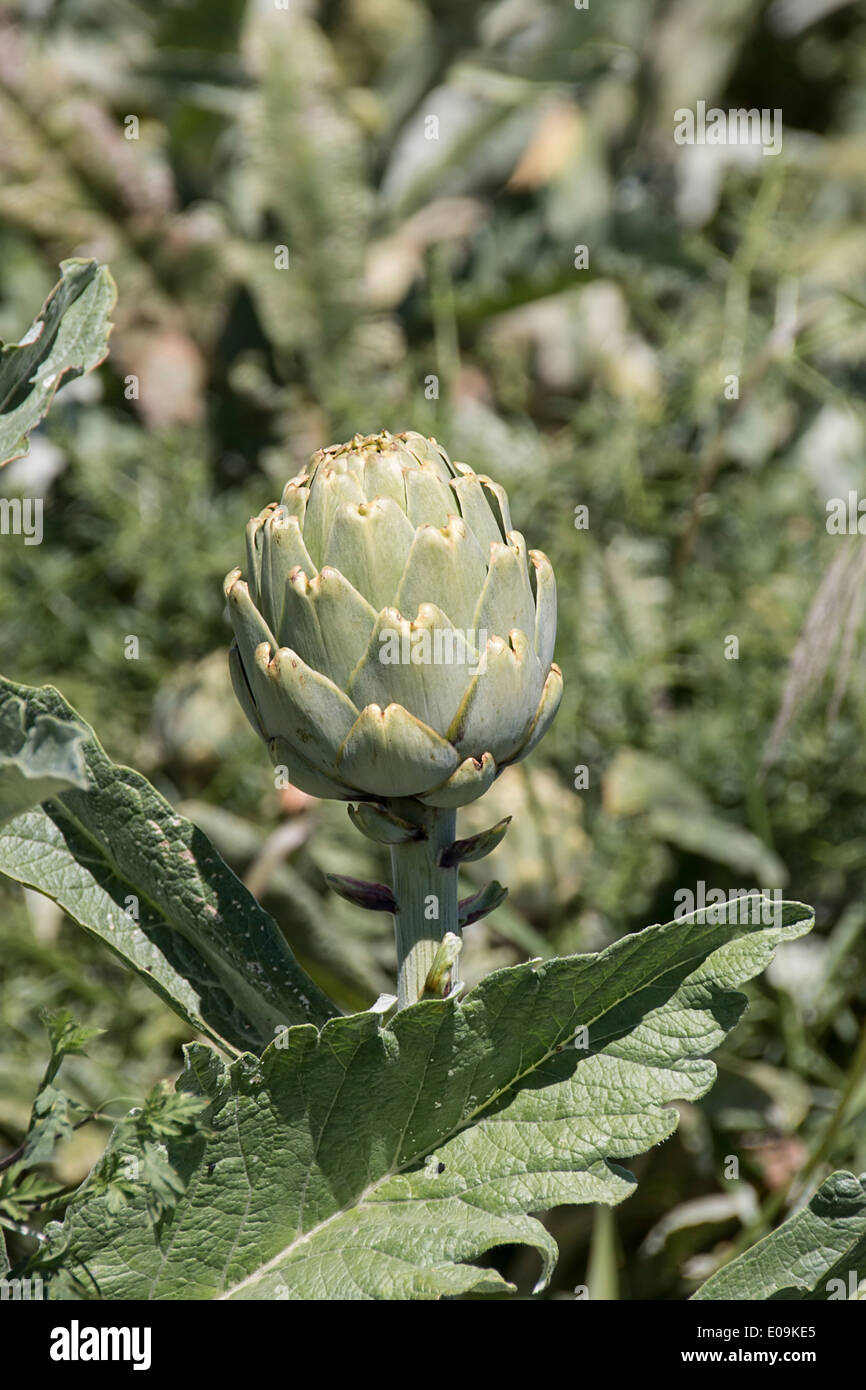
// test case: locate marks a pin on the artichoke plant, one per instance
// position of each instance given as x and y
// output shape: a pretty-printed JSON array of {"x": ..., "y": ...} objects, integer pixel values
[{"x": 393, "y": 648}]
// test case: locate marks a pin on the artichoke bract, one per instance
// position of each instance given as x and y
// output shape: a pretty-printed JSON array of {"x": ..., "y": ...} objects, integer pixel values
[{"x": 394, "y": 637}]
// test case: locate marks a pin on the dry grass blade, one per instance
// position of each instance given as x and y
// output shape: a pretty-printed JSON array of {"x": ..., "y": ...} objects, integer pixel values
[{"x": 831, "y": 628}]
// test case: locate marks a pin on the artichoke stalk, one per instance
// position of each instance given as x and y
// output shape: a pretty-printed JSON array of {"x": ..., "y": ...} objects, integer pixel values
[{"x": 393, "y": 648}]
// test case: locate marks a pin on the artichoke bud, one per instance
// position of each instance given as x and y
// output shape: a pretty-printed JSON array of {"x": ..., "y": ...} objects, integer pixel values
[{"x": 393, "y": 636}]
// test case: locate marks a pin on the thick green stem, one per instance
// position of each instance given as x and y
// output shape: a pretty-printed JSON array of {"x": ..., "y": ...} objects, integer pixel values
[{"x": 426, "y": 896}]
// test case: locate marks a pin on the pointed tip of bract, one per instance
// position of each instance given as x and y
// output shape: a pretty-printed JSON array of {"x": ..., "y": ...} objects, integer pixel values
[
  {"x": 543, "y": 583},
  {"x": 232, "y": 578},
  {"x": 293, "y": 488},
  {"x": 497, "y": 500},
  {"x": 427, "y": 450},
  {"x": 548, "y": 705},
  {"x": 468, "y": 781}
]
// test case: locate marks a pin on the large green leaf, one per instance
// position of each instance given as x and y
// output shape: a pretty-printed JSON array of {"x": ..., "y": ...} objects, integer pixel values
[
  {"x": 370, "y": 1162},
  {"x": 818, "y": 1254},
  {"x": 123, "y": 864},
  {"x": 68, "y": 338},
  {"x": 39, "y": 761}
]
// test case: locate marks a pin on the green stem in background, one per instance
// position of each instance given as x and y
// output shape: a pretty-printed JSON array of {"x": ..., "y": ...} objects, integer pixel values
[{"x": 425, "y": 893}]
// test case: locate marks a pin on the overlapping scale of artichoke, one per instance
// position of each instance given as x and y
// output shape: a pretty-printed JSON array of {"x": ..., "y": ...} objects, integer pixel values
[{"x": 381, "y": 536}]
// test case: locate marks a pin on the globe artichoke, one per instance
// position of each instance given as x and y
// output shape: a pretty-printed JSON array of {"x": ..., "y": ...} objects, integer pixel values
[{"x": 393, "y": 647}]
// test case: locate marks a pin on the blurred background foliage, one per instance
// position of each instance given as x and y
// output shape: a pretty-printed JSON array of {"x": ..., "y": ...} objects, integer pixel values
[{"x": 431, "y": 284}]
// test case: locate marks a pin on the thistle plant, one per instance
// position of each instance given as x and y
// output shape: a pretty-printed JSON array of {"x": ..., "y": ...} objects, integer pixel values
[
  {"x": 393, "y": 648},
  {"x": 394, "y": 644}
]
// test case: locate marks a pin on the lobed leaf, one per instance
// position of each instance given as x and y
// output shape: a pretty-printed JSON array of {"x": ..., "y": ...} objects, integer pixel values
[
  {"x": 68, "y": 337},
  {"x": 38, "y": 761},
  {"x": 377, "y": 1162},
  {"x": 174, "y": 911},
  {"x": 819, "y": 1253}
]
